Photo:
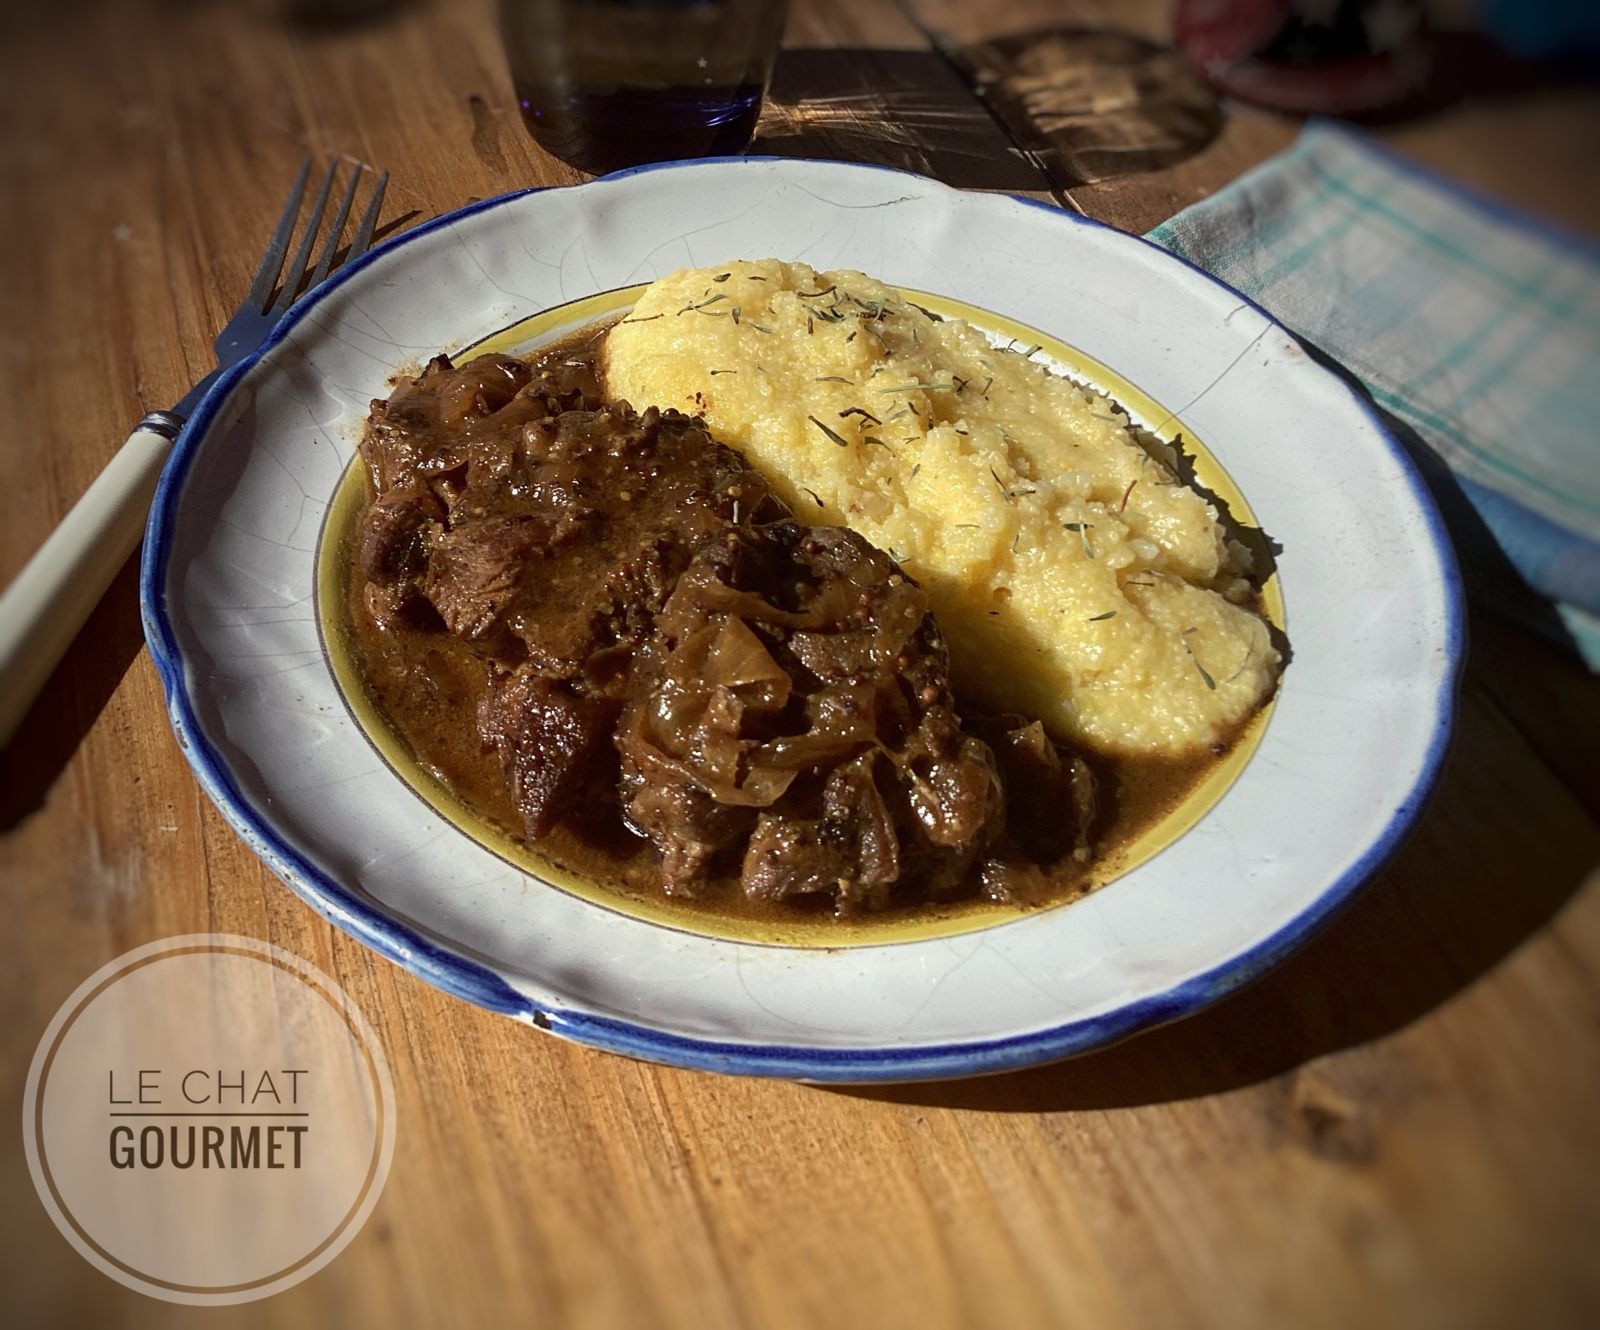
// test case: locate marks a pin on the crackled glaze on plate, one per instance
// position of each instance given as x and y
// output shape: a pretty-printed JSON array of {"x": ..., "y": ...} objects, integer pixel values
[{"x": 1353, "y": 743}]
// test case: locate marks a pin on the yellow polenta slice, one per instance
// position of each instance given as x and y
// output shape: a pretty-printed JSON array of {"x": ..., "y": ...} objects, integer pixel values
[{"x": 1075, "y": 578}]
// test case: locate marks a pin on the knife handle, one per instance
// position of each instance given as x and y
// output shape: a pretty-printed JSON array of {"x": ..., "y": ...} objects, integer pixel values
[{"x": 42, "y": 610}]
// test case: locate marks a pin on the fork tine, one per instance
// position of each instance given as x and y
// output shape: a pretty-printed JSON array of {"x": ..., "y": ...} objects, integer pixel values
[
  {"x": 267, "y": 274},
  {"x": 297, "y": 265},
  {"x": 331, "y": 246},
  {"x": 369, "y": 220}
]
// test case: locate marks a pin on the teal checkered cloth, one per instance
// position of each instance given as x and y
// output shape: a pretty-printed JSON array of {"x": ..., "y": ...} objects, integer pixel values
[{"x": 1475, "y": 328}]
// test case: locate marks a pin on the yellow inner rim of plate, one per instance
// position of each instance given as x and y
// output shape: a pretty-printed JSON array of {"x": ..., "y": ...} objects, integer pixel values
[{"x": 937, "y": 921}]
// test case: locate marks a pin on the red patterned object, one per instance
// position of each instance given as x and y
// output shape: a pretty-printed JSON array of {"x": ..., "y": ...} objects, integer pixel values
[{"x": 1328, "y": 57}]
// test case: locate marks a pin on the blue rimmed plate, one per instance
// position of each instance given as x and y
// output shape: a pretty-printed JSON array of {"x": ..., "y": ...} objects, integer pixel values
[{"x": 1354, "y": 740}]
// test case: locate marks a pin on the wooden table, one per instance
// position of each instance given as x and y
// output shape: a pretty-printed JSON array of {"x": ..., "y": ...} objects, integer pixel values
[{"x": 1401, "y": 1126}]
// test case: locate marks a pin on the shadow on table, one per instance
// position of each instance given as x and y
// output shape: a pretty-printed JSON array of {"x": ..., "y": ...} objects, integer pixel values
[
  {"x": 72, "y": 700},
  {"x": 1040, "y": 110},
  {"x": 1438, "y": 917},
  {"x": 902, "y": 109}
]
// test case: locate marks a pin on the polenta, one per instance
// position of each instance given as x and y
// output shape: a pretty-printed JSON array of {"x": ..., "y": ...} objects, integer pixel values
[{"x": 1075, "y": 577}]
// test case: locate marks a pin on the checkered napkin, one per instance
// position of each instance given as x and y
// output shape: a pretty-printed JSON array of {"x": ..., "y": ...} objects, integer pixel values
[{"x": 1473, "y": 327}]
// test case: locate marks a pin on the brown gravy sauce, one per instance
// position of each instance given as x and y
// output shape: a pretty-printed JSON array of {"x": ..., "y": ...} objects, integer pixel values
[{"x": 431, "y": 709}]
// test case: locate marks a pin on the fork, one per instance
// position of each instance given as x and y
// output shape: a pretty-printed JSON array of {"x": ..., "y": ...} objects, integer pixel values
[{"x": 43, "y": 609}]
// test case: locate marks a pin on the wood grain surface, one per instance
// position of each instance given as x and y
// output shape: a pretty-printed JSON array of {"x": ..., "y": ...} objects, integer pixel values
[{"x": 1399, "y": 1127}]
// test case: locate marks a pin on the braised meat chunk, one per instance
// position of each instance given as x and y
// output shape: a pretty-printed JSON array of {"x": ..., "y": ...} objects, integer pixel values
[
  {"x": 795, "y": 675},
  {"x": 554, "y": 743},
  {"x": 631, "y": 626}
]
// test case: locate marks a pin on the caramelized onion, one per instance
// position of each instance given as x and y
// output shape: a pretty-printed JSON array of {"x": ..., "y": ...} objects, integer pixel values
[{"x": 739, "y": 660}]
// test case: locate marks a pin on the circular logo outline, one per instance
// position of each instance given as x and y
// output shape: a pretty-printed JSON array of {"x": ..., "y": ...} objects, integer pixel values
[{"x": 322, "y": 986}]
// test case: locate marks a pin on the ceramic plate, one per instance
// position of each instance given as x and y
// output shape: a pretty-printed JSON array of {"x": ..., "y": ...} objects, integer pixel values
[{"x": 1331, "y": 777}]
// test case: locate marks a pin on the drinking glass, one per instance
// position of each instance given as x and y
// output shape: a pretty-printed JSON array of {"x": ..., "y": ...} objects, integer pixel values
[{"x": 610, "y": 83}]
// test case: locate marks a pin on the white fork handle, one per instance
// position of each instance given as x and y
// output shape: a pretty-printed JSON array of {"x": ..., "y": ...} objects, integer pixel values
[{"x": 42, "y": 610}]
